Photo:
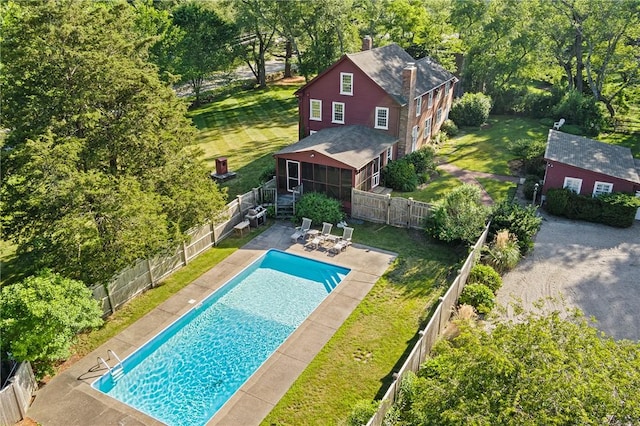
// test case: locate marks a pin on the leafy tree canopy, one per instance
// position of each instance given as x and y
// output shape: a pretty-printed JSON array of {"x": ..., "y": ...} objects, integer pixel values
[
  {"x": 543, "y": 370},
  {"x": 40, "y": 316},
  {"x": 99, "y": 166}
]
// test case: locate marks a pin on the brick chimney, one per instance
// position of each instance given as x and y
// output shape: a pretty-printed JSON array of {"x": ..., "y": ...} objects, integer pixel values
[
  {"x": 367, "y": 43},
  {"x": 407, "y": 112}
]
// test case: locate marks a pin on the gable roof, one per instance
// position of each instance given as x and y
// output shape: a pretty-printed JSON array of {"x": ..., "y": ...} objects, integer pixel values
[
  {"x": 384, "y": 65},
  {"x": 588, "y": 154},
  {"x": 354, "y": 146}
]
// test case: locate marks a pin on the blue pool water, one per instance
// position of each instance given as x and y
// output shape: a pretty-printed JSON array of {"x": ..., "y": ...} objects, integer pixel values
[{"x": 188, "y": 371}]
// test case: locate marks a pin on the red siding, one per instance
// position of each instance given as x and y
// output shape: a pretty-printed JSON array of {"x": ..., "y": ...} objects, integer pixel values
[
  {"x": 359, "y": 108},
  {"x": 444, "y": 102},
  {"x": 556, "y": 172}
]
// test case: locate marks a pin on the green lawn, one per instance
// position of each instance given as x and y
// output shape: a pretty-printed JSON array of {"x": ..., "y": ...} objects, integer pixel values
[
  {"x": 485, "y": 150},
  {"x": 358, "y": 362},
  {"x": 498, "y": 190},
  {"x": 433, "y": 190},
  {"x": 247, "y": 128}
]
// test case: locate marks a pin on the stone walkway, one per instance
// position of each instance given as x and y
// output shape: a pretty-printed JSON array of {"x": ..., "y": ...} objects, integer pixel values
[{"x": 471, "y": 177}]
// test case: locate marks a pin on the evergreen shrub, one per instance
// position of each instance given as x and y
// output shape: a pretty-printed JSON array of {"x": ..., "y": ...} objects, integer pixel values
[
  {"x": 472, "y": 109},
  {"x": 400, "y": 175},
  {"x": 479, "y": 296},
  {"x": 521, "y": 221},
  {"x": 319, "y": 208},
  {"x": 617, "y": 209},
  {"x": 485, "y": 274}
]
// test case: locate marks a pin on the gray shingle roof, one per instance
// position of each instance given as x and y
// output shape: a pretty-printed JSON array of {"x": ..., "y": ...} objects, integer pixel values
[
  {"x": 354, "y": 146},
  {"x": 588, "y": 154},
  {"x": 384, "y": 65}
]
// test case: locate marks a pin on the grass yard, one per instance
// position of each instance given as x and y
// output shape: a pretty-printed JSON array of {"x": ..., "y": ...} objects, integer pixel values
[
  {"x": 358, "y": 362},
  {"x": 247, "y": 128},
  {"x": 485, "y": 150},
  {"x": 433, "y": 190},
  {"x": 498, "y": 190}
]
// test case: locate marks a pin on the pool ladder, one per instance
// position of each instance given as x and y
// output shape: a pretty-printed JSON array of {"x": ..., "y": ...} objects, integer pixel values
[{"x": 117, "y": 371}]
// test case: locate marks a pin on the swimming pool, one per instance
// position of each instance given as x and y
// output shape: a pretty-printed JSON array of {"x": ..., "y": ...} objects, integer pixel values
[{"x": 189, "y": 370}]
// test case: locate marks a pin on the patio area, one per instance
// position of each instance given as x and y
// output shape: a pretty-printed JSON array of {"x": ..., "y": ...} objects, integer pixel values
[{"x": 68, "y": 399}]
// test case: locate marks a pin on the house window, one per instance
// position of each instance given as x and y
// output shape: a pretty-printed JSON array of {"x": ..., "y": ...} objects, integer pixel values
[
  {"x": 427, "y": 128},
  {"x": 382, "y": 118},
  {"x": 418, "y": 106},
  {"x": 439, "y": 116},
  {"x": 338, "y": 113},
  {"x": 315, "y": 110},
  {"x": 430, "y": 103},
  {"x": 573, "y": 184},
  {"x": 389, "y": 154},
  {"x": 414, "y": 138},
  {"x": 447, "y": 87},
  {"x": 602, "y": 188},
  {"x": 346, "y": 83}
]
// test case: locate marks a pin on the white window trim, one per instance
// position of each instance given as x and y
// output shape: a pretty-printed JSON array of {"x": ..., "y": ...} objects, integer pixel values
[
  {"x": 311, "y": 117},
  {"x": 386, "y": 120},
  {"x": 439, "y": 116},
  {"x": 390, "y": 154},
  {"x": 430, "y": 102},
  {"x": 342, "y": 89},
  {"x": 570, "y": 182},
  {"x": 447, "y": 87},
  {"x": 311, "y": 132},
  {"x": 418, "y": 106},
  {"x": 427, "y": 127},
  {"x": 333, "y": 112},
  {"x": 609, "y": 186}
]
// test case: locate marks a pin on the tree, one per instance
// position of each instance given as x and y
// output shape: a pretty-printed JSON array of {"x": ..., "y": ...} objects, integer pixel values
[
  {"x": 204, "y": 45},
  {"x": 99, "y": 164},
  {"x": 540, "y": 370},
  {"x": 459, "y": 216},
  {"x": 41, "y": 315}
]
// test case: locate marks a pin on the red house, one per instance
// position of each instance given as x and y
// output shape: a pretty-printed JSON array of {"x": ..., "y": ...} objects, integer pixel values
[
  {"x": 366, "y": 109},
  {"x": 589, "y": 167}
]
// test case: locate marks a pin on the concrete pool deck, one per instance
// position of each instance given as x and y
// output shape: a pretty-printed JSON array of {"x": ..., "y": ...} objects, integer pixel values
[{"x": 68, "y": 398}]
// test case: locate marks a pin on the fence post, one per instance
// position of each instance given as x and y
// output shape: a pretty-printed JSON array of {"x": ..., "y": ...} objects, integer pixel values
[
  {"x": 213, "y": 234},
  {"x": 409, "y": 207},
  {"x": 184, "y": 253},
  {"x": 388, "y": 209},
  {"x": 239, "y": 199},
  {"x": 153, "y": 283},
  {"x": 110, "y": 299}
]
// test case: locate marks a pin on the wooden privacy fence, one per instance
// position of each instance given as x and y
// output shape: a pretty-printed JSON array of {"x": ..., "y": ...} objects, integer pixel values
[
  {"x": 428, "y": 336},
  {"x": 395, "y": 211},
  {"x": 145, "y": 274},
  {"x": 16, "y": 396}
]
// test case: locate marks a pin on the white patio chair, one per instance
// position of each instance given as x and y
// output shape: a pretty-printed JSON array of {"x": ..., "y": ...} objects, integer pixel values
[
  {"x": 301, "y": 230},
  {"x": 344, "y": 242},
  {"x": 319, "y": 239},
  {"x": 558, "y": 124}
]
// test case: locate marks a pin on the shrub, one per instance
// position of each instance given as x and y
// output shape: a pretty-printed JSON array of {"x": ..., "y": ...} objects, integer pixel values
[
  {"x": 503, "y": 254},
  {"x": 479, "y": 296},
  {"x": 440, "y": 138},
  {"x": 507, "y": 100},
  {"x": 577, "y": 107},
  {"x": 423, "y": 160},
  {"x": 450, "y": 128},
  {"x": 319, "y": 208},
  {"x": 539, "y": 104},
  {"x": 472, "y": 109},
  {"x": 485, "y": 274},
  {"x": 400, "y": 175},
  {"x": 362, "y": 411},
  {"x": 267, "y": 174},
  {"x": 523, "y": 222},
  {"x": 556, "y": 201},
  {"x": 531, "y": 152},
  {"x": 529, "y": 186},
  {"x": 459, "y": 216}
]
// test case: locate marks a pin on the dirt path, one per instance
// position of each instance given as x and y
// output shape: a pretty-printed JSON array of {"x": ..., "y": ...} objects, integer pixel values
[{"x": 589, "y": 266}]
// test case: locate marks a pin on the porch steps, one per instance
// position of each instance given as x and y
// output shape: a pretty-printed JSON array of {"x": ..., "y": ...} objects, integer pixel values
[{"x": 285, "y": 208}]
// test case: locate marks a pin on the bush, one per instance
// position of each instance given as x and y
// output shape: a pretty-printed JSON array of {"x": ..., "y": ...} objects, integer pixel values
[
  {"x": 540, "y": 104},
  {"x": 319, "y": 208},
  {"x": 362, "y": 411},
  {"x": 577, "y": 107},
  {"x": 531, "y": 152},
  {"x": 617, "y": 209},
  {"x": 400, "y": 175},
  {"x": 485, "y": 274},
  {"x": 507, "y": 100},
  {"x": 267, "y": 174},
  {"x": 479, "y": 296},
  {"x": 503, "y": 254},
  {"x": 450, "y": 128},
  {"x": 523, "y": 222},
  {"x": 458, "y": 216},
  {"x": 529, "y": 186},
  {"x": 422, "y": 160},
  {"x": 472, "y": 109}
]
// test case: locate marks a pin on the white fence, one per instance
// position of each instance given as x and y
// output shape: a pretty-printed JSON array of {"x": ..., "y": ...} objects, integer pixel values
[
  {"x": 16, "y": 396},
  {"x": 396, "y": 211},
  {"x": 145, "y": 274},
  {"x": 428, "y": 336}
]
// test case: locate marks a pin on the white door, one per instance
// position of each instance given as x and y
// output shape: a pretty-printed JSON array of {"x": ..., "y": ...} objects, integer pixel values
[
  {"x": 293, "y": 175},
  {"x": 375, "y": 173}
]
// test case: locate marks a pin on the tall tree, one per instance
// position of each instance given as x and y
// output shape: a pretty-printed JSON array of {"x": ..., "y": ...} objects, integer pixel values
[
  {"x": 205, "y": 44},
  {"x": 99, "y": 166}
]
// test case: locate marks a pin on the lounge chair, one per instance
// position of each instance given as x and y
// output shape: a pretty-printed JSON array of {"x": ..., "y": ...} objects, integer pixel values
[
  {"x": 301, "y": 230},
  {"x": 320, "y": 238},
  {"x": 343, "y": 242}
]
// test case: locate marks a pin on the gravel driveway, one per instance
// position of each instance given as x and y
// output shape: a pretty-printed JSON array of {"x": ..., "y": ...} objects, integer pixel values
[{"x": 590, "y": 266}]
